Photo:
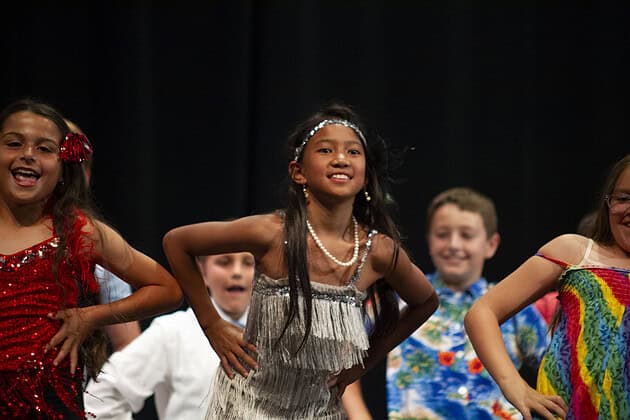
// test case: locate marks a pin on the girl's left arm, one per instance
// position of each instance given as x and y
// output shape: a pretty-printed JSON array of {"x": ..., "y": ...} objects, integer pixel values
[
  {"x": 156, "y": 292},
  {"x": 413, "y": 287}
]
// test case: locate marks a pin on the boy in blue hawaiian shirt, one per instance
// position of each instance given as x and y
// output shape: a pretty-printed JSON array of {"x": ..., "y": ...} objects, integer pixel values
[{"x": 435, "y": 373}]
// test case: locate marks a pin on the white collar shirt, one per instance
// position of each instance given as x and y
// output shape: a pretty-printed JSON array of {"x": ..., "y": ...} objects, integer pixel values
[{"x": 171, "y": 359}]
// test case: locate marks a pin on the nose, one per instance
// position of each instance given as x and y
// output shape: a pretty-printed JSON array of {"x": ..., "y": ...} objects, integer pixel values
[
  {"x": 340, "y": 160},
  {"x": 454, "y": 241},
  {"x": 237, "y": 272},
  {"x": 27, "y": 153}
]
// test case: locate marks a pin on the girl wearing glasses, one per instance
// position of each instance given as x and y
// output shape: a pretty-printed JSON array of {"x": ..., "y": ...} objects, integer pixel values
[{"x": 585, "y": 372}]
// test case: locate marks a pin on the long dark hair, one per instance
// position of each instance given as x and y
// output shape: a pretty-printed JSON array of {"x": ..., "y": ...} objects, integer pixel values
[
  {"x": 601, "y": 225},
  {"x": 70, "y": 195},
  {"x": 374, "y": 214}
]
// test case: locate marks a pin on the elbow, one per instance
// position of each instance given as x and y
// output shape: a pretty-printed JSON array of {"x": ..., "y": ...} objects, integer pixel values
[
  {"x": 469, "y": 318},
  {"x": 433, "y": 302},
  {"x": 177, "y": 297},
  {"x": 168, "y": 240}
]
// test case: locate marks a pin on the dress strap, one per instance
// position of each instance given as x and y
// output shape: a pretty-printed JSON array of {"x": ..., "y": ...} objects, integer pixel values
[
  {"x": 562, "y": 264},
  {"x": 368, "y": 246},
  {"x": 587, "y": 254},
  {"x": 566, "y": 265}
]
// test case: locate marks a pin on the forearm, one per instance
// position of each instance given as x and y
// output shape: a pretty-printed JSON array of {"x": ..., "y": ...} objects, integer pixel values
[
  {"x": 353, "y": 403},
  {"x": 187, "y": 274},
  {"x": 146, "y": 302},
  {"x": 122, "y": 334},
  {"x": 412, "y": 317},
  {"x": 482, "y": 327}
]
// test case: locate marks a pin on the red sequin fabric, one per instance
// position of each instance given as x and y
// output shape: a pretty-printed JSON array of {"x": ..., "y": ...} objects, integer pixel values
[{"x": 30, "y": 386}]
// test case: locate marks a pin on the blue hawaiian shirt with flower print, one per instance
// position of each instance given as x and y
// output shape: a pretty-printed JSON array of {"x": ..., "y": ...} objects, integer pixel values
[{"x": 435, "y": 373}]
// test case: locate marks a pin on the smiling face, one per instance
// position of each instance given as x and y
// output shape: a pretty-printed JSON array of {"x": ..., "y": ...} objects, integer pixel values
[
  {"x": 29, "y": 158},
  {"x": 333, "y": 163},
  {"x": 229, "y": 278},
  {"x": 619, "y": 211},
  {"x": 459, "y": 245}
]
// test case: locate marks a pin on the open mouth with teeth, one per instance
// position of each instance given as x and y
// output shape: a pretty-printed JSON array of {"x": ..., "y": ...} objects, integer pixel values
[
  {"x": 236, "y": 289},
  {"x": 25, "y": 177},
  {"x": 340, "y": 177}
]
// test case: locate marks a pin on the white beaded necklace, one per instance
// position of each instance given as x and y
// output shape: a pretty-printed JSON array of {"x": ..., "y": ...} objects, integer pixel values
[{"x": 355, "y": 254}]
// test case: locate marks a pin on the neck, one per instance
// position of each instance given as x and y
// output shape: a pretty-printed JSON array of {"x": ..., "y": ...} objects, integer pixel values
[
  {"x": 458, "y": 285},
  {"x": 330, "y": 220},
  {"x": 22, "y": 215}
]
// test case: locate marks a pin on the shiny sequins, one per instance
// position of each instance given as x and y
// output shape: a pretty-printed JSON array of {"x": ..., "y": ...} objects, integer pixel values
[
  {"x": 15, "y": 261},
  {"x": 350, "y": 297},
  {"x": 32, "y": 387}
]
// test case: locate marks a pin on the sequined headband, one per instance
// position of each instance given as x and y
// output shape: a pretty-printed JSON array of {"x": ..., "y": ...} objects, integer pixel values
[
  {"x": 75, "y": 148},
  {"x": 322, "y": 124}
]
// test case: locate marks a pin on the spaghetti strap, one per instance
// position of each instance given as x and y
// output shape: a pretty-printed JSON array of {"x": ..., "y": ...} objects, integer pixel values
[
  {"x": 588, "y": 252},
  {"x": 368, "y": 246},
  {"x": 553, "y": 260}
]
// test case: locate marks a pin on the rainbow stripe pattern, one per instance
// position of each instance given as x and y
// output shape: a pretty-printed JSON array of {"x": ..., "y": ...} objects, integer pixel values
[{"x": 588, "y": 360}]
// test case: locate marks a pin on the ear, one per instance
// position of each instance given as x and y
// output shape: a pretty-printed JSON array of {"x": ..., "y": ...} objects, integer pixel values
[
  {"x": 296, "y": 174},
  {"x": 492, "y": 245}
]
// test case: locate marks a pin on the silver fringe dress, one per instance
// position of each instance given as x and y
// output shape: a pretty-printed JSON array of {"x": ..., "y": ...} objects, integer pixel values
[{"x": 288, "y": 386}]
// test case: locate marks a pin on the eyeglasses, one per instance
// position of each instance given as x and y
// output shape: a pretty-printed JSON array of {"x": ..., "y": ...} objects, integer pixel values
[{"x": 618, "y": 203}]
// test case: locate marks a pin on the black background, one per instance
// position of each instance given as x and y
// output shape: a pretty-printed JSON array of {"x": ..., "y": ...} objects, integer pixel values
[{"x": 189, "y": 104}]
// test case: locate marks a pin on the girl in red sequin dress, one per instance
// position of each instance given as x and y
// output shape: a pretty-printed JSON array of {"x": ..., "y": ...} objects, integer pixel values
[{"x": 50, "y": 240}]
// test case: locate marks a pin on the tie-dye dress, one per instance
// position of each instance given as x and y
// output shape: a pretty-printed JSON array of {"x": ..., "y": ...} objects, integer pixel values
[{"x": 588, "y": 361}]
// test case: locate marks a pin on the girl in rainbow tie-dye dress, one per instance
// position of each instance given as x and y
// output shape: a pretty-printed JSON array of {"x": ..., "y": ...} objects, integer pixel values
[{"x": 585, "y": 373}]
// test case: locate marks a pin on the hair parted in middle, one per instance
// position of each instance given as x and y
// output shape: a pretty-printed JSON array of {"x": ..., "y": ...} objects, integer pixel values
[
  {"x": 69, "y": 195},
  {"x": 371, "y": 214}
]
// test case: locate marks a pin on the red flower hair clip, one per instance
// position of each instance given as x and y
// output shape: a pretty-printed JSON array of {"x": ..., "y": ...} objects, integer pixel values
[{"x": 75, "y": 148}]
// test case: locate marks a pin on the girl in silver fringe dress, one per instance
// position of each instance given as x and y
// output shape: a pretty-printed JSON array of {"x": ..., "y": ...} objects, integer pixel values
[{"x": 317, "y": 261}]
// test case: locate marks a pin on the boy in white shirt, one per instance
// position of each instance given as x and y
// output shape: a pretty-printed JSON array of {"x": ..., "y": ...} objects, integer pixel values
[{"x": 172, "y": 358}]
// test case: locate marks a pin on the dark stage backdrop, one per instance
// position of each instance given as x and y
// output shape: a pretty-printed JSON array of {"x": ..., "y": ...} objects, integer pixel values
[{"x": 189, "y": 105}]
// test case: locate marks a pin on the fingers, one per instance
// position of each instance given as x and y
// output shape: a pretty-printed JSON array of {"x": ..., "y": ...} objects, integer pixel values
[
  {"x": 541, "y": 412},
  {"x": 549, "y": 408},
  {"x": 63, "y": 352},
  {"x": 236, "y": 364},
  {"x": 239, "y": 360},
  {"x": 226, "y": 367},
  {"x": 74, "y": 358},
  {"x": 247, "y": 358},
  {"x": 55, "y": 341},
  {"x": 554, "y": 406},
  {"x": 560, "y": 404},
  {"x": 251, "y": 347},
  {"x": 57, "y": 338}
]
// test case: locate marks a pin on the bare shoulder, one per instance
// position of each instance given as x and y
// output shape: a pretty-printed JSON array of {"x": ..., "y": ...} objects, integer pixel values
[
  {"x": 383, "y": 253},
  {"x": 569, "y": 248},
  {"x": 102, "y": 234}
]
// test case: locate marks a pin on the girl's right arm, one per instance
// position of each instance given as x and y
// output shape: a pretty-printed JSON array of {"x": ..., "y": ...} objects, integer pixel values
[
  {"x": 181, "y": 246},
  {"x": 529, "y": 282}
]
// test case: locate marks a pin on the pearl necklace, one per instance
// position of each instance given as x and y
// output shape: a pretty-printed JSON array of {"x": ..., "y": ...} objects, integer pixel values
[{"x": 355, "y": 254}]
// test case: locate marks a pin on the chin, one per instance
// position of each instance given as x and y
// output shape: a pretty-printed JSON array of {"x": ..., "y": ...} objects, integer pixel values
[{"x": 454, "y": 279}]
